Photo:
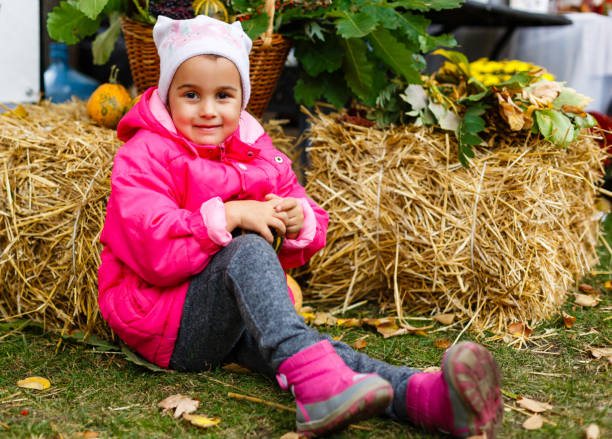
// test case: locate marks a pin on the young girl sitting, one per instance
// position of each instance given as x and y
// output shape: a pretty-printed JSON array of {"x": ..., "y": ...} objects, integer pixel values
[{"x": 176, "y": 287}]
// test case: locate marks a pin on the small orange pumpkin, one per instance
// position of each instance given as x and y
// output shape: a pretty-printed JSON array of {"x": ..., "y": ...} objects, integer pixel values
[{"x": 109, "y": 102}]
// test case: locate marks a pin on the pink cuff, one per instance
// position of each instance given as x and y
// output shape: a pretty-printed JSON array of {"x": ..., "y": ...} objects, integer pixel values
[
  {"x": 213, "y": 214},
  {"x": 309, "y": 228}
]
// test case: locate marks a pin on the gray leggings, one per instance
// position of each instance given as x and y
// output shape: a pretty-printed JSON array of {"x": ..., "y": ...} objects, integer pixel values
[{"x": 238, "y": 310}]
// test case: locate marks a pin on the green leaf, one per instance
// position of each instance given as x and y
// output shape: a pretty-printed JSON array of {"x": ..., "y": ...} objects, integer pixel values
[
  {"x": 555, "y": 127},
  {"x": 518, "y": 80},
  {"x": 571, "y": 97},
  {"x": 412, "y": 25},
  {"x": 428, "y": 42},
  {"x": 585, "y": 122},
  {"x": 384, "y": 15},
  {"x": 429, "y": 5},
  {"x": 394, "y": 54},
  {"x": 307, "y": 90},
  {"x": 467, "y": 133},
  {"x": 104, "y": 43},
  {"x": 256, "y": 25},
  {"x": 359, "y": 70},
  {"x": 313, "y": 29},
  {"x": 317, "y": 57},
  {"x": 476, "y": 97},
  {"x": 92, "y": 8},
  {"x": 457, "y": 58},
  {"x": 65, "y": 23},
  {"x": 472, "y": 122},
  {"x": 137, "y": 359},
  {"x": 91, "y": 340},
  {"x": 336, "y": 92},
  {"x": 357, "y": 25}
]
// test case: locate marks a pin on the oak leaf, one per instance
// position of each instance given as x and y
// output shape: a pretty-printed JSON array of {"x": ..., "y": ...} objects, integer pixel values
[
  {"x": 519, "y": 329},
  {"x": 180, "y": 403},
  {"x": 568, "y": 320},
  {"x": 445, "y": 319},
  {"x": 586, "y": 300}
]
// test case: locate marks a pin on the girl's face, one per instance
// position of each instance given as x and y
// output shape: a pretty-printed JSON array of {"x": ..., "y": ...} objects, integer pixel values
[{"x": 205, "y": 99}]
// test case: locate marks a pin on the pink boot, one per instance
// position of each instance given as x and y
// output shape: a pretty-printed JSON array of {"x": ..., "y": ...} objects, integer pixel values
[
  {"x": 464, "y": 399},
  {"x": 328, "y": 394}
]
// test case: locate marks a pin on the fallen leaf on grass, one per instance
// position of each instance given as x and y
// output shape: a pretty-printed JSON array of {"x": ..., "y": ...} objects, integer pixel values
[
  {"x": 432, "y": 369},
  {"x": 442, "y": 343},
  {"x": 445, "y": 319},
  {"x": 37, "y": 383},
  {"x": 292, "y": 435},
  {"x": 201, "y": 421},
  {"x": 592, "y": 431},
  {"x": 533, "y": 423},
  {"x": 324, "y": 318},
  {"x": 348, "y": 322},
  {"x": 308, "y": 316},
  {"x": 87, "y": 434},
  {"x": 608, "y": 285},
  {"x": 602, "y": 352},
  {"x": 586, "y": 300},
  {"x": 236, "y": 368},
  {"x": 479, "y": 436},
  {"x": 519, "y": 329},
  {"x": 568, "y": 320},
  {"x": 180, "y": 403},
  {"x": 589, "y": 289},
  {"x": 533, "y": 405},
  {"x": 360, "y": 343}
]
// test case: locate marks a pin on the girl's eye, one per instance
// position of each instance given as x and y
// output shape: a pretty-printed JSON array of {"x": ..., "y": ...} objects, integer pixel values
[
  {"x": 191, "y": 95},
  {"x": 222, "y": 95}
]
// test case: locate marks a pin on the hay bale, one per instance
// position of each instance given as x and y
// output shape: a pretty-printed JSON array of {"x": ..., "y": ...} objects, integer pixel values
[
  {"x": 55, "y": 168},
  {"x": 410, "y": 227}
]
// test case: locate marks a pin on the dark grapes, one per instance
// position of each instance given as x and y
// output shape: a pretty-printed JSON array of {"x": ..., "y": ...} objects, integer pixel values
[{"x": 176, "y": 9}]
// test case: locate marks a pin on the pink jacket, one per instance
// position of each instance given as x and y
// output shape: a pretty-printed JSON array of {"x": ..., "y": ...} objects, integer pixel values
[{"x": 165, "y": 218}]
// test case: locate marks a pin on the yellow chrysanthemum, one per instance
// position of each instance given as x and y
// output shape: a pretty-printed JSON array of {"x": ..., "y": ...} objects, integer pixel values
[{"x": 548, "y": 76}]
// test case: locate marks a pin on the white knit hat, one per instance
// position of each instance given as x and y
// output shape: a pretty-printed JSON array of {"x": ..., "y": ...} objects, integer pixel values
[{"x": 179, "y": 40}]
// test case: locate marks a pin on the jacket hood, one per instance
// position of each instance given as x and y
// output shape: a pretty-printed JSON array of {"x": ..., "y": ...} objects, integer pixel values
[{"x": 140, "y": 116}]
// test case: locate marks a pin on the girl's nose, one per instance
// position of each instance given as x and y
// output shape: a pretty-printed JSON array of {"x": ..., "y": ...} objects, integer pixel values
[{"x": 207, "y": 108}]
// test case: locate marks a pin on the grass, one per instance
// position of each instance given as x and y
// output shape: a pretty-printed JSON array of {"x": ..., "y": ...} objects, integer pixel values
[{"x": 98, "y": 390}]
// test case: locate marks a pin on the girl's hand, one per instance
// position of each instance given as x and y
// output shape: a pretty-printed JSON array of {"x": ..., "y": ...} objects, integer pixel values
[
  {"x": 257, "y": 216},
  {"x": 293, "y": 209}
]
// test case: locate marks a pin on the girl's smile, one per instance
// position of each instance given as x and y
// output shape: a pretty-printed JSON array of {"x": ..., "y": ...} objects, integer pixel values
[{"x": 205, "y": 99}]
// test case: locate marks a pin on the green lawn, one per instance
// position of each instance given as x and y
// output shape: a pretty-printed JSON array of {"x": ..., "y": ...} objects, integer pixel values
[{"x": 98, "y": 390}]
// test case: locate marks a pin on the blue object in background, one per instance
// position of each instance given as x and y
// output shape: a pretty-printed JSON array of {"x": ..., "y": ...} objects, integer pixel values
[{"x": 61, "y": 81}]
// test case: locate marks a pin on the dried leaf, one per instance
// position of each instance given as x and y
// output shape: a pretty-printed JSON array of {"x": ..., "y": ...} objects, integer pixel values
[
  {"x": 519, "y": 329},
  {"x": 442, "y": 343},
  {"x": 588, "y": 289},
  {"x": 180, "y": 403},
  {"x": 445, "y": 319},
  {"x": 308, "y": 316},
  {"x": 586, "y": 300},
  {"x": 360, "y": 344},
  {"x": 568, "y": 320},
  {"x": 592, "y": 432},
  {"x": 307, "y": 309},
  {"x": 201, "y": 421},
  {"x": 511, "y": 113},
  {"x": 37, "y": 383},
  {"x": 324, "y": 318},
  {"x": 236, "y": 368},
  {"x": 348, "y": 322},
  {"x": 608, "y": 285},
  {"x": 533, "y": 405},
  {"x": 390, "y": 330},
  {"x": 377, "y": 322},
  {"x": 292, "y": 435},
  {"x": 601, "y": 352},
  {"x": 87, "y": 434},
  {"x": 432, "y": 369},
  {"x": 533, "y": 423}
]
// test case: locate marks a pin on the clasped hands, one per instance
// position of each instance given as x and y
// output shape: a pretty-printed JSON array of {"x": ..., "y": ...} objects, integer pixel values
[{"x": 285, "y": 215}]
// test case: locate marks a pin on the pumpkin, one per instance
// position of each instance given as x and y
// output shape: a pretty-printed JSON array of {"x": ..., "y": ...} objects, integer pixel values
[
  {"x": 212, "y": 8},
  {"x": 109, "y": 102},
  {"x": 297, "y": 292}
]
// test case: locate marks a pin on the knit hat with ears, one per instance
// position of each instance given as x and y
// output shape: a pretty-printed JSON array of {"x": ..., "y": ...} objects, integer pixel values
[{"x": 179, "y": 40}]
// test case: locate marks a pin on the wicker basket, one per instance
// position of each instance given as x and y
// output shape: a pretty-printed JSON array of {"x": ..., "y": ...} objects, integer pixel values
[{"x": 266, "y": 60}]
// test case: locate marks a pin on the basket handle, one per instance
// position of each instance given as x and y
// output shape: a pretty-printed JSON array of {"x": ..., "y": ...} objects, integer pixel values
[{"x": 267, "y": 35}]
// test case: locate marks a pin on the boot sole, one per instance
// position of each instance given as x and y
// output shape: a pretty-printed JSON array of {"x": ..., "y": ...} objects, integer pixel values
[
  {"x": 473, "y": 377},
  {"x": 374, "y": 399}
]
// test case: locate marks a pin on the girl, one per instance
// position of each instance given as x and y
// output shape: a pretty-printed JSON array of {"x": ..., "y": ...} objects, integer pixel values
[{"x": 179, "y": 289}]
